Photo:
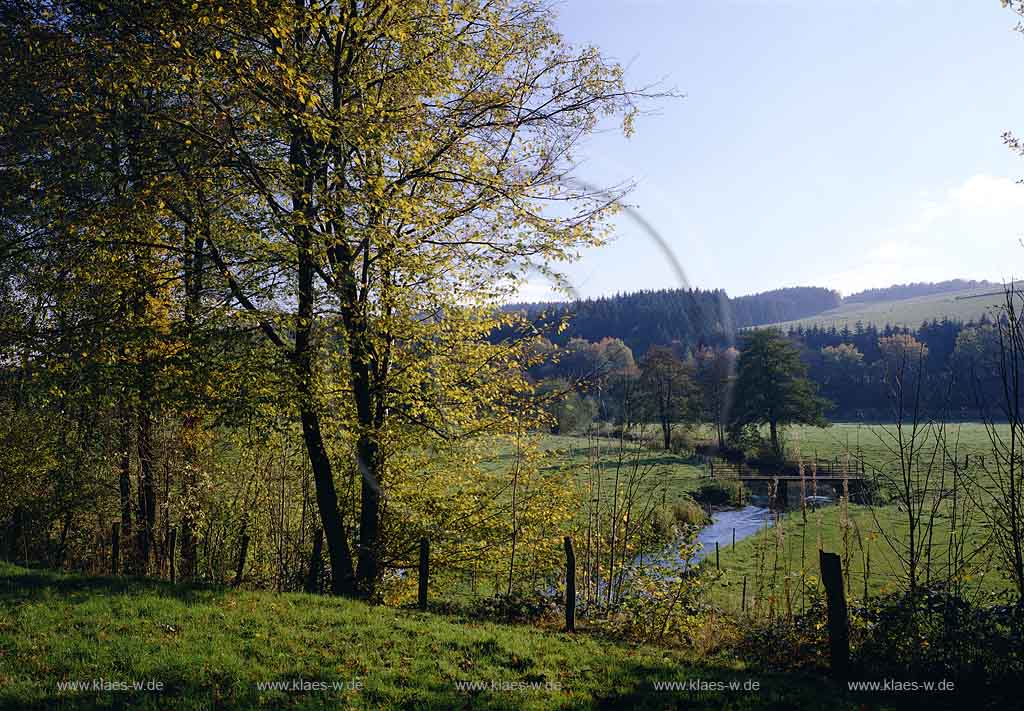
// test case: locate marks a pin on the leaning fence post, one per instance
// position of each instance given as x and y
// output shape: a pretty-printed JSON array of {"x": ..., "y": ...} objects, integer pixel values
[
  {"x": 744, "y": 607},
  {"x": 170, "y": 546},
  {"x": 424, "y": 571},
  {"x": 570, "y": 586},
  {"x": 313, "y": 579},
  {"x": 838, "y": 632},
  {"x": 115, "y": 548},
  {"x": 241, "y": 559}
]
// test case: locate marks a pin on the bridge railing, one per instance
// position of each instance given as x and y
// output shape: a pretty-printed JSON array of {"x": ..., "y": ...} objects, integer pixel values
[{"x": 826, "y": 468}]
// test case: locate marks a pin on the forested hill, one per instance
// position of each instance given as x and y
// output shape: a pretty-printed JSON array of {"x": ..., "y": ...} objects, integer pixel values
[
  {"x": 768, "y": 306},
  {"x": 691, "y": 317},
  {"x": 910, "y": 291}
]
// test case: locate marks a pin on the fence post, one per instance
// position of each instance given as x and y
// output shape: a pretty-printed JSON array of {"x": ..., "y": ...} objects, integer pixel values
[
  {"x": 838, "y": 632},
  {"x": 170, "y": 550},
  {"x": 734, "y": 538},
  {"x": 241, "y": 559},
  {"x": 313, "y": 577},
  {"x": 115, "y": 548},
  {"x": 718, "y": 565},
  {"x": 424, "y": 571},
  {"x": 744, "y": 607},
  {"x": 570, "y": 586}
]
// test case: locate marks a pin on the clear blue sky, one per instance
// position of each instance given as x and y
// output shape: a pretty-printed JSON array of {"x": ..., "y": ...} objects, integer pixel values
[{"x": 821, "y": 142}]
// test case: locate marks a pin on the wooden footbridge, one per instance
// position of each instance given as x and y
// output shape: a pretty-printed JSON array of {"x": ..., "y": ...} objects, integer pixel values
[{"x": 826, "y": 473}]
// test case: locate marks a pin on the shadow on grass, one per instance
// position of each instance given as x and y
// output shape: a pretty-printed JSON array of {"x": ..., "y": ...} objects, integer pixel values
[
  {"x": 19, "y": 585},
  {"x": 630, "y": 685},
  {"x": 390, "y": 681}
]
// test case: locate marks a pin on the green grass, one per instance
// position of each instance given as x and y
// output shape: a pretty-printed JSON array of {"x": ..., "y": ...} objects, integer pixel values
[
  {"x": 867, "y": 546},
  {"x": 755, "y": 557},
  {"x": 676, "y": 474},
  {"x": 964, "y": 305},
  {"x": 679, "y": 477},
  {"x": 211, "y": 647},
  {"x": 870, "y": 441}
]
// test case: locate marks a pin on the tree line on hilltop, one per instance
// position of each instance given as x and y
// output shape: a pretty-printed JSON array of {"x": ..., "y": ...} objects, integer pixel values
[
  {"x": 689, "y": 318},
  {"x": 915, "y": 289}
]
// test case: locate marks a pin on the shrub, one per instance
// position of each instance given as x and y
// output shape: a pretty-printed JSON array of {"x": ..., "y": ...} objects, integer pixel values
[
  {"x": 664, "y": 603},
  {"x": 744, "y": 440},
  {"x": 519, "y": 607},
  {"x": 937, "y": 635},
  {"x": 688, "y": 512},
  {"x": 668, "y": 520},
  {"x": 684, "y": 440},
  {"x": 933, "y": 635},
  {"x": 715, "y": 493}
]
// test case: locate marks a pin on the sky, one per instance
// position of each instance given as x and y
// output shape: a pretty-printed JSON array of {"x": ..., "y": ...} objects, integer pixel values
[{"x": 848, "y": 145}]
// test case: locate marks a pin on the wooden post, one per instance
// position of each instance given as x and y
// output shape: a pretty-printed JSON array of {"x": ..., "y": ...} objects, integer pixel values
[
  {"x": 838, "y": 632},
  {"x": 789, "y": 603},
  {"x": 744, "y": 608},
  {"x": 313, "y": 578},
  {"x": 718, "y": 564},
  {"x": 424, "y": 572},
  {"x": 115, "y": 548},
  {"x": 241, "y": 559},
  {"x": 570, "y": 586},
  {"x": 734, "y": 538},
  {"x": 867, "y": 572},
  {"x": 170, "y": 550}
]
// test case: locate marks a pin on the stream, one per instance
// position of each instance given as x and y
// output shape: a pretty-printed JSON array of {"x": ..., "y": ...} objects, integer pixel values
[{"x": 746, "y": 521}]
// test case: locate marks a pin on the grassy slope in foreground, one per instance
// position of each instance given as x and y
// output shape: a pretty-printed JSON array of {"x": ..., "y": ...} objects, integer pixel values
[{"x": 211, "y": 647}]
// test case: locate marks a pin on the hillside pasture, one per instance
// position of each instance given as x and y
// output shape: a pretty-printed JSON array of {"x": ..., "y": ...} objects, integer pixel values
[{"x": 965, "y": 305}]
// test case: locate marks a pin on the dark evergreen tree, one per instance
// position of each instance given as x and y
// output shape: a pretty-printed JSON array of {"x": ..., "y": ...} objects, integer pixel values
[{"x": 772, "y": 387}]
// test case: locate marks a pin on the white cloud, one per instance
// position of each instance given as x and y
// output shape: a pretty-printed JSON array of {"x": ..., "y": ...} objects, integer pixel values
[
  {"x": 971, "y": 230},
  {"x": 537, "y": 289},
  {"x": 988, "y": 193}
]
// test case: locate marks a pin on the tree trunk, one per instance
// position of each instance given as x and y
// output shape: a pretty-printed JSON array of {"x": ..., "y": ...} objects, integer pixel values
[
  {"x": 368, "y": 568},
  {"x": 125, "y": 469},
  {"x": 194, "y": 267},
  {"x": 342, "y": 579},
  {"x": 147, "y": 489},
  {"x": 189, "y": 515},
  {"x": 370, "y": 413},
  {"x": 773, "y": 426},
  {"x": 327, "y": 502}
]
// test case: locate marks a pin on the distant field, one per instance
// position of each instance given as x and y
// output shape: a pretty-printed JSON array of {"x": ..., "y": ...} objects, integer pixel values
[
  {"x": 965, "y": 305},
  {"x": 767, "y": 565},
  {"x": 675, "y": 474}
]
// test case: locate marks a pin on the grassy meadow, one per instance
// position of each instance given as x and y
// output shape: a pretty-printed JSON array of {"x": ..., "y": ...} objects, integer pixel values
[
  {"x": 213, "y": 648},
  {"x": 218, "y": 648},
  {"x": 872, "y": 566},
  {"x": 777, "y": 559}
]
